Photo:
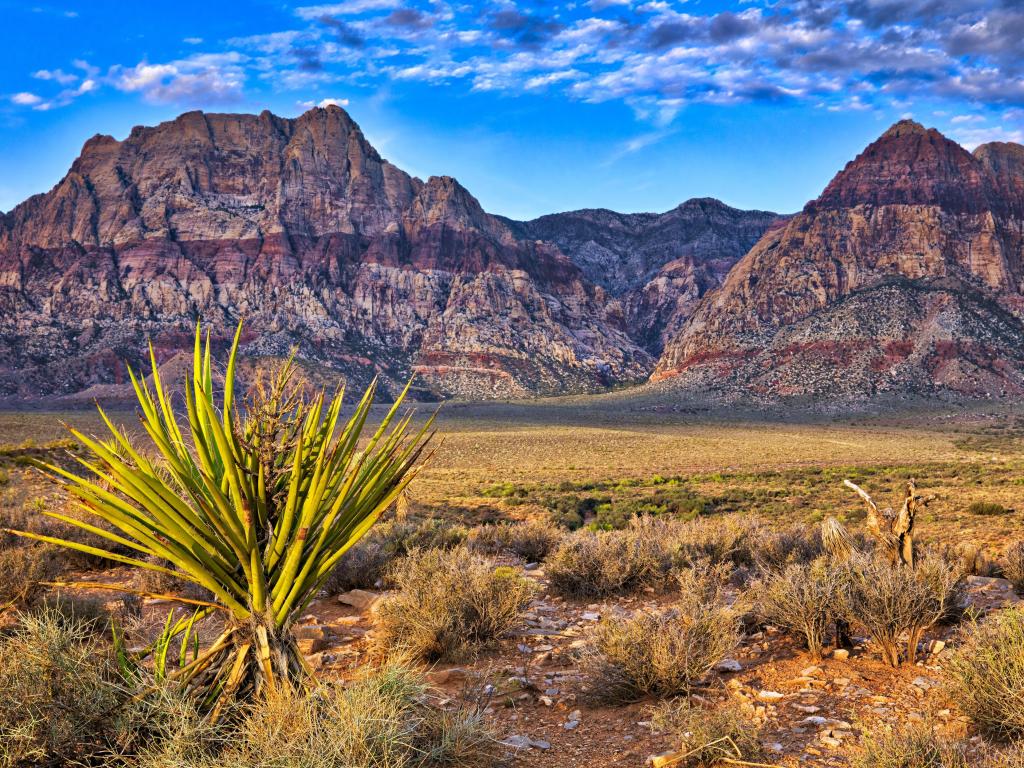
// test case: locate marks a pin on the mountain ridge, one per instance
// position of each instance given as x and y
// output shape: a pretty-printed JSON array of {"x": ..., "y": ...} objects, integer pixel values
[{"x": 300, "y": 226}]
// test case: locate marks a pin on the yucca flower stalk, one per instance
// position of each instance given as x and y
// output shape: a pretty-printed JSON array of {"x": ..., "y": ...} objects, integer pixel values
[{"x": 257, "y": 505}]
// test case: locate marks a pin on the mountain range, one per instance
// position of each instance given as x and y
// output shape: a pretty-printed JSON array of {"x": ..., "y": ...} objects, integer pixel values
[{"x": 905, "y": 275}]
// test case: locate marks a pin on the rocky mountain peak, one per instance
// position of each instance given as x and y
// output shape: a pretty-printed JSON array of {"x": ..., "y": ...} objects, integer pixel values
[{"x": 909, "y": 165}]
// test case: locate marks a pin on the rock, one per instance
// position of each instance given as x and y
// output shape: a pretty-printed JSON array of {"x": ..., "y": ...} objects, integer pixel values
[
  {"x": 810, "y": 671},
  {"x": 590, "y": 616},
  {"x": 771, "y": 697},
  {"x": 935, "y": 647},
  {"x": 886, "y": 252},
  {"x": 446, "y": 676},
  {"x": 840, "y": 654},
  {"x": 729, "y": 665},
  {"x": 360, "y": 599},
  {"x": 531, "y": 566}
]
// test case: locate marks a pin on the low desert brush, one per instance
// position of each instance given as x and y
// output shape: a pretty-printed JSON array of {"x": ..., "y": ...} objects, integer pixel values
[
  {"x": 447, "y": 602},
  {"x": 1013, "y": 566},
  {"x": 531, "y": 540},
  {"x": 61, "y": 692},
  {"x": 986, "y": 674},
  {"x": 598, "y": 564},
  {"x": 366, "y": 564},
  {"x": 915, "y": 747},
  {"x": 891, "y": 601},
  {"x": 801, "y": 599},
  {"x": 23, "y": 573},
  {"x": 663, "y": 653},
  {"x": 381, "y": 720},
  {"x": 705, "y": 737}
]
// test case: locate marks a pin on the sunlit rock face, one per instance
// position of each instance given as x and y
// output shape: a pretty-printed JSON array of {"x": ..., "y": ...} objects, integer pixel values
[
  {"x": 302, "y": 229},
  {"x": 906, "y": 275}
]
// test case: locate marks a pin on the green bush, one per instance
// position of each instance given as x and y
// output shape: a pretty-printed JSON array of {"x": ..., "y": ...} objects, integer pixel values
[
  {"x": 448, "y": 602},
  {"x": 987, "y": 508}
]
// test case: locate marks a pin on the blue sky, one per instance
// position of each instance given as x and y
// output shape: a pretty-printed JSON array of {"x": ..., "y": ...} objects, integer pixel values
[{"x": 535, "y": 107}]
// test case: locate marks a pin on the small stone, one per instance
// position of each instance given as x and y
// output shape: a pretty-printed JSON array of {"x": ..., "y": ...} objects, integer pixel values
[
  {"x": 729, "y": 665},
  {"x": 936, "y": 646},
  {"x": 831, "y": 741},
  {"x": 840, "y": 654},
  {"x": 770, "y": 696},
  {"x": 590, "y": 616},
  {"x": 360, "y": 599},
  {"x": 547, "y": 701},
  {"x": 444, "y": 676},
  {"x": 531, "y": 566},
  {"x": 810, "y": 672},
  {"x": 571, "y": 725}
]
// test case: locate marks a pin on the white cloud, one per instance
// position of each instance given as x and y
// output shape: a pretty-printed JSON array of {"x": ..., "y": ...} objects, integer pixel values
[
  {"x": 26, "y": 99},
  {"x": 56, "y": 75},
  {"x": 193, "y": 40},
  {"x": 324, "y": 103},
  {"x": 350, "y": 8},
  {"x": 198, "y": 79}
]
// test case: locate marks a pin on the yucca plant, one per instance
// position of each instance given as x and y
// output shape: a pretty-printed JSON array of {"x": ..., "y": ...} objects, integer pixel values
[{"x": 256, "y": 504}]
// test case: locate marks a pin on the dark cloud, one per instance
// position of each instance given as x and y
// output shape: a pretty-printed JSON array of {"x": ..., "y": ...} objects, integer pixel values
[
  {"x": 674, "y": 32},
  {"x": 526, "y": 30},
  {"x": 408, "y": 17},
  {"x": 308, "y": 59},
  {"x": 346, "y": 34},
  {"x": 729, "y": 26}
]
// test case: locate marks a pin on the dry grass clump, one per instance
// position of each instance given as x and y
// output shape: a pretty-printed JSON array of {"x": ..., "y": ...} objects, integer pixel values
[
  {"x": 380, "y": 721},
  {"x": 598, "y": 564},
  {"x": 801, "y": 599},
  {"x": 892, "y": 601},
  {"x": 916, "y": 747},
  {"x": 1012, "y": 757},
  {"x": 1013, "y": 566},
  {"x": 532, "y": 540},
  {"x": 60, "y": 692},
  {"x": 706, "y": 737},
  {"x": 449, "y": 601},
  {"x": 986, "y": 674},
  {"x": 22, "y": 571},
  {"x": 778, "y": 548},
  {"x": 658, "y": 653},
  {"x": 366, "y": 564}
]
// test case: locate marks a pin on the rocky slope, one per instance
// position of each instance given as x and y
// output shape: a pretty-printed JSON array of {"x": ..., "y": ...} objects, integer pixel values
[
  {"x": 658, "y": 264},
  {"x": 301, "y": 228},
  {"x": 905, "y": 275}
]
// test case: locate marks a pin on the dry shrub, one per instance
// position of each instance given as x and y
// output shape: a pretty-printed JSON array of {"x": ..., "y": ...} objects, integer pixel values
[
  {"x": 916, "y": 747},
  {"x": 889, "y": 601},
  {"x": 705, "y": 737},
  {"x": 532, "y": 540},
  {"x": 1013, "y": 566},
  {"x": 778, "y": 548},
  {"x": 449, "y": 601},
  {"x": 661, "y": 653},
  {"x": 731, "y": 540},
  {"x": 987, "y": 674},
  {"x": 22, "y": 571},
  {"x": 366, "y": 564},
  {"x": 60, "y": 692},
  {"x": 1012, "y": 757},
  {"x": 379, "y": 721},
  {"x": 598, "y": 564},
  {"x": 801, "y": 599}
]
